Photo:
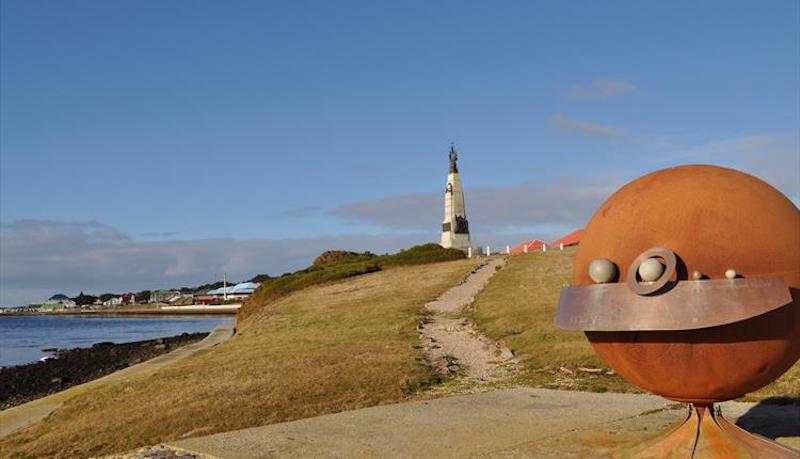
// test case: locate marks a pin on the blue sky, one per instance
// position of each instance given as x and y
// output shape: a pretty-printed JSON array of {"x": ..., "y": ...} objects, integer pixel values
[{"x": 151, "y": 144}]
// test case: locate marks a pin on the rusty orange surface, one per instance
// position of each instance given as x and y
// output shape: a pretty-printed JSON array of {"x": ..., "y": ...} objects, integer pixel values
[
  {"x": 705, "y": 434},
  {"x": 713, "y": 219}
]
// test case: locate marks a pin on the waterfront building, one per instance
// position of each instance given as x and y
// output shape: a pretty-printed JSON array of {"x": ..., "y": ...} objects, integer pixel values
[
  {"x": 112, "y": 302},
  {"x": 235, "y": 292},
  {"x": 58, "y": 301}
]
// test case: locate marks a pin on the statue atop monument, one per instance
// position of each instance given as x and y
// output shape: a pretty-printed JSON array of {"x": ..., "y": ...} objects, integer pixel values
[{"x": 455, "y": 228}]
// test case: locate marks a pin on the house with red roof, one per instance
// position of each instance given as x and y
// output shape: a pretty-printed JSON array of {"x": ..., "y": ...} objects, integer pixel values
[
  {"x": 573, "y": 238},
  {"x": 534, "y": 245},
  {"x": 538, "y": 245}
]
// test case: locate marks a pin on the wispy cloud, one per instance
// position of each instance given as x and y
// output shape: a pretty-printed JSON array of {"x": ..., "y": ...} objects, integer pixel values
[
  {"x": 568, "y": 124},
  {"x": 299, "y": 212},
  {"x": 602, "y": 88},
  {"x": 542, "y": 208},
  {"x": 491, "y": 210},
  {"x": 41, "y": 257},
  {"x": 161, "y": 234},
  {"x": 774, "y": 157}
]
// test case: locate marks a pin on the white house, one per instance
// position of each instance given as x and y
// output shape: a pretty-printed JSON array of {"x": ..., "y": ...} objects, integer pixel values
[
  {"x": 115, "y": 301},
  {"x": 237, "y": 291}
]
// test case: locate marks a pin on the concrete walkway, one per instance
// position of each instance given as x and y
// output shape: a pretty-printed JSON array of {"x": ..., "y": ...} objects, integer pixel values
[
  {"x": 22, "y": 416},
  {"x": 521, "y": 422}
]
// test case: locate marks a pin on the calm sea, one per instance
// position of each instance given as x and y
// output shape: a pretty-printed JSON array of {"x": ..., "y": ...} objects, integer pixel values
[{"x": 22, "y": 338}]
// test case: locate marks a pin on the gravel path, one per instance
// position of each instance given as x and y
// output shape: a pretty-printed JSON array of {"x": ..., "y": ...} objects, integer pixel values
[{"x": 451, "y": 344}]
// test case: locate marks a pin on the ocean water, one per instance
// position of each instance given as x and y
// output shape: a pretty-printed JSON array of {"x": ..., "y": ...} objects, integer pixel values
[{"x": 22, "y": 338}]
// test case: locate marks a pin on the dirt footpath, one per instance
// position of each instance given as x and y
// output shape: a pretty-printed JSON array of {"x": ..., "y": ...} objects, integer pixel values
[{"x": 452, "y": 346}]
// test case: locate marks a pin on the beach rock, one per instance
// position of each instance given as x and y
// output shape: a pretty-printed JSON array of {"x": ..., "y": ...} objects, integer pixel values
[{"x": 23, "y": 383}]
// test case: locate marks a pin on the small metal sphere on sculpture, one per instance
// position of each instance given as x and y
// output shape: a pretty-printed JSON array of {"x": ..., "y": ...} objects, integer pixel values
[
  {"x": 650, "y": 270},
  {"x": 602, "y": 271},
  {"x": 707, "y": 306}
]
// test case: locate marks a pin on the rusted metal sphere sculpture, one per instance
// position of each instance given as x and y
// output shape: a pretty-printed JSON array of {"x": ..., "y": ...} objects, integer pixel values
[{"x": 706, "y": 303}]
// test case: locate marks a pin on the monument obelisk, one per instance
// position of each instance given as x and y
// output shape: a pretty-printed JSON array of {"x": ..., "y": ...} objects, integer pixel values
[{"x": 455, "y": 229}]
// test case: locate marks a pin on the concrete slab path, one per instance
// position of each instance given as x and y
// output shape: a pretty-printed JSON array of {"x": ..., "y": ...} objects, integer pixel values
[
  {"x": 522, "y": 422},
  {"x": 19, "y": 417}
]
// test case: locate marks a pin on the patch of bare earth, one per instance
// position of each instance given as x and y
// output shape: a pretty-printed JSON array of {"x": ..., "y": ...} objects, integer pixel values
[
  {"x": 159, "y": 452},
  {"x": 451, "y": 345}
]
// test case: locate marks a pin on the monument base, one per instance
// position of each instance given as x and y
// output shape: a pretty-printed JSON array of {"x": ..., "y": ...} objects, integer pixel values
[
  {"x": 458, "y": 241},
  {"x": 705, "y": 433}
]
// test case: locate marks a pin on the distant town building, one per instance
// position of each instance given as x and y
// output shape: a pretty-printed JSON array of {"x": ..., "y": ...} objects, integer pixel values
[
  {"x": 534, "y": 245},
  {"x": 112, "y": 302},
  {"x": 164, "y": 296},
  {"x": 234, "y": 292},
  {"x": 242, "y": 290},
  {"x": 538, "y": 245},
  {"x": 455, "y": 228},
  {"x": 57, "y": 301},
  {"x": 573, "y": 238}
]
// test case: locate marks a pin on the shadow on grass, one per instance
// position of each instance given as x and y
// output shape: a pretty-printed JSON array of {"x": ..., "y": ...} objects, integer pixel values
[{"x": 773, "y": 417}]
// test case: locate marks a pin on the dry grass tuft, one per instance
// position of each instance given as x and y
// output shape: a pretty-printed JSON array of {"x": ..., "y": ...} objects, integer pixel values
[{"x": 325, "y": 349}]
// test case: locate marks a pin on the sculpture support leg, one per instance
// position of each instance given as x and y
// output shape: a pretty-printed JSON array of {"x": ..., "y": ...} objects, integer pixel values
[{"x": 706, "y": 434}]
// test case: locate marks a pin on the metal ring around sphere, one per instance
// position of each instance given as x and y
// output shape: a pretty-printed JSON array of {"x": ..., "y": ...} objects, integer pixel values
[{"x": 656, "y": 252}]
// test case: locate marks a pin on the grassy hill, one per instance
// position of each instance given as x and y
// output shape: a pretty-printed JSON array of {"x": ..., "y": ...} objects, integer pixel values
[
  {"x": 334, "y": 265},
  {"x": 323, "y": 349},
  {"x": 519, "y": 305}
]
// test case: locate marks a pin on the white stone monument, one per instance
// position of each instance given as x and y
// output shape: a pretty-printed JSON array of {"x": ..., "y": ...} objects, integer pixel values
[{"x": 455, "y": 229}]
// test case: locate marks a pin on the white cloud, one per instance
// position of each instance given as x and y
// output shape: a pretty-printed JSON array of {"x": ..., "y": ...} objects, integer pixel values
[
  {"x": 42, "y": 257},
  {"x": 773, "y": 157},
  {"x": 602, "y": 88},
  {"x": 491, "y": 210},
  {"x": 568, "y": 124},
  {"x": 299, "y": 212}
]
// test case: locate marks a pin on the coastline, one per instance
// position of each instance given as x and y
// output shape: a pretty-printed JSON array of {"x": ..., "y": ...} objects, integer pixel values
[
  {"x": 26, "y": 414},
  {"x": 229, "y": 310},
  {"x": 24, "y": 383}
]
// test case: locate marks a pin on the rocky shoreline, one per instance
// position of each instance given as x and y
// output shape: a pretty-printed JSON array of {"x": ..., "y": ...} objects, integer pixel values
[{"x": 70, "y": 367}]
